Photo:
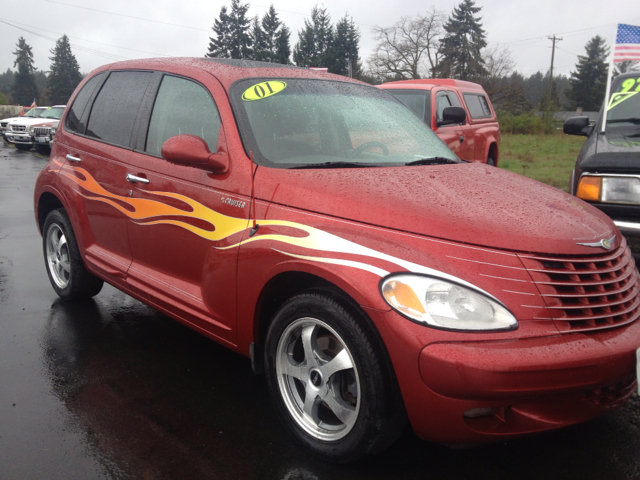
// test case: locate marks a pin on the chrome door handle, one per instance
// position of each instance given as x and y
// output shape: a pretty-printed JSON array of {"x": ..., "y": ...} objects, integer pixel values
[
  {"x": 134, "y": 179},
  {"x": 461, "y": 139},
  {"x": 71, "y": 158}
]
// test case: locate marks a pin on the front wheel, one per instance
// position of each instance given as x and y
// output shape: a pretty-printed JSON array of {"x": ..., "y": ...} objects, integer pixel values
[
  {"x": 330, "y": 381},
  {"x": 67, "y": 273},
  {"x": 43, "y": 149},
  {"x": 491, "y": 161},
  {"x": 22, "y": 147}
]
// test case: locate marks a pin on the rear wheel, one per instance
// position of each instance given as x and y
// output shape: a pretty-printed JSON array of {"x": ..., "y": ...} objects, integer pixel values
[
  {"x": 22, "y": 147},
  {"x": 67, "y": 273},
  {"x": 329, "y": 380}
]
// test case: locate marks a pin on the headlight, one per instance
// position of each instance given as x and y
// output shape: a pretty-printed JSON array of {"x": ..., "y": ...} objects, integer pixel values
[
  {"x": 32, "y": 130},
  {"x": 445, "y": 305},
  {"x": 610, "y": 189}
]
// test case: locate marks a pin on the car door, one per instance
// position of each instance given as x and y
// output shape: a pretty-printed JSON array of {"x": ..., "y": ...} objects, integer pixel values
[
  {"x": 101, "y": 121},
  {"x": 465, "y": 130},
  {"x": 182, "y": 240},
  {"x": 452, "y": 134}
]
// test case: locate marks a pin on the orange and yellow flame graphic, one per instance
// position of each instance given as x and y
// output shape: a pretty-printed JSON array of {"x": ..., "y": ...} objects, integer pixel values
[{"x": 150, "y": 212}]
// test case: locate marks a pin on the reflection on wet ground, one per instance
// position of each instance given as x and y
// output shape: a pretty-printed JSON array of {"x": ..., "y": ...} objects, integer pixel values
[{"x": 112, "y": 389}]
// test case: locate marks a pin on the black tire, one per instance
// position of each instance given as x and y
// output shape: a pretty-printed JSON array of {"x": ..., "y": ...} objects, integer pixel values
[
  {"x": 43, "y": 149},
  {"x": 491, "y": 161},
  {"x": 67, "y": 273},
  {"x": 22, "y": 147},
  {"x": 357, "y": 409}
]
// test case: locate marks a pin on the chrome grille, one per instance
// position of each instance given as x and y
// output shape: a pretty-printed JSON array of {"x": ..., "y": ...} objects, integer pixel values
[
  {"x": 17, "y": 128},
  {"x": 588, "y": 292},
  {"x": 41, "y": 131}
]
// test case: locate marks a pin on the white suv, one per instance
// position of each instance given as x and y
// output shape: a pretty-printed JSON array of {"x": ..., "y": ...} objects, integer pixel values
[
  {"x": 4, "y": 123},
  {"x": 18, "y": 130}
]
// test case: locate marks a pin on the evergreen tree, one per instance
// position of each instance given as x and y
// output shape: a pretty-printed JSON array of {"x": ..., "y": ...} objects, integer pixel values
[
  {"x": 315, "y": 40},
  {"x": 344, "y": 49},
  {"x": 6, "y": 81},
  {"x": 462, "y": 44},
  {"x": 283, "y": 47},
  {"x": 258, "y": 41},
  {"x": 24, "y": 85},
  {"x": 239, "y": 26},
  {"x": 219, "y": 44},
  {"x": 275, "y": 47},
  {"x": 65, "y": 73},
  {"x": 589, "y": 81}
]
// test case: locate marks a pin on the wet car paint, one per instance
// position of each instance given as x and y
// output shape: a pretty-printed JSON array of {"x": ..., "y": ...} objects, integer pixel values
[{"x": 113, "y": 389}]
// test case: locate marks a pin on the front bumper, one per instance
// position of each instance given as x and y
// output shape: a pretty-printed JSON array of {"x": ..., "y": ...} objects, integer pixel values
[
  {"x": 22, "y": 138},
  {"x": 461, "y": 392}
]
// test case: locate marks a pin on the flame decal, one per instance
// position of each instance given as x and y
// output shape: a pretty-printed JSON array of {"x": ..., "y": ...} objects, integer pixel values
[
  {"x": 225, "y": 226},
  {"x": 145, "y": 209}
]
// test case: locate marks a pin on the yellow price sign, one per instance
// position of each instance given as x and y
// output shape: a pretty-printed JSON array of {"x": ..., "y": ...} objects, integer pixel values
[
  {"x": 617, "y": 98},
  {"x": 263, "y": 90}
]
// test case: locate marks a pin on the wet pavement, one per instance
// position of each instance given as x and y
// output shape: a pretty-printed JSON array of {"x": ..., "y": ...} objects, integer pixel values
[{"x": 112, "y": 389}]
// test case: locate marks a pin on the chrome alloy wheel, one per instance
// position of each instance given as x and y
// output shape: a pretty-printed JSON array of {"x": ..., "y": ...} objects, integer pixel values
[
  {"x": 318, "y": 379},
  {"x": 58, "y": 256}
]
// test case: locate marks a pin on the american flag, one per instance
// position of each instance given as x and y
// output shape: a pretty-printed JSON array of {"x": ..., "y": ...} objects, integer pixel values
[{"x": 627, "y": 43}]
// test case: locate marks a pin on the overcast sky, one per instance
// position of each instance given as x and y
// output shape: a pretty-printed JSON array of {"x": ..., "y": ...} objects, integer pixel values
[{"x": 104, "y": 32}]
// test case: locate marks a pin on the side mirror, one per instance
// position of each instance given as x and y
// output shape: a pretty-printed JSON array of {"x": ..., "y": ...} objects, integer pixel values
[
  {"x": 193, "y": 151},
  {"x": 577, "y": 126},
  {"x": 452, "y": 115}
]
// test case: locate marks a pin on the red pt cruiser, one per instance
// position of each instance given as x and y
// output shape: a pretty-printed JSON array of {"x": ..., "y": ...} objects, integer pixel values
[{"x": 315, "y": 224}]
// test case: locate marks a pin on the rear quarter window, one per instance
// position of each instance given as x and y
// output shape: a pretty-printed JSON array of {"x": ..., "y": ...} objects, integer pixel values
[
  {"x": 478, "y": 105},
  {"x": 115, "y": 109}
]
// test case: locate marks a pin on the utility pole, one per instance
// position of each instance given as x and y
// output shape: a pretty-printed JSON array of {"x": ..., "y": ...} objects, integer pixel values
[{"x": 554, "y": 39}]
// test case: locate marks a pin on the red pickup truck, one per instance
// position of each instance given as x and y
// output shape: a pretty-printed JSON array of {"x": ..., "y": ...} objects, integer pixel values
[{"x": 459, "y": 112}]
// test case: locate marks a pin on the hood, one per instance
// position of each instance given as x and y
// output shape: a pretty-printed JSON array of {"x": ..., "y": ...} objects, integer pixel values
[
  {"x": 470, "y": 203},
  {"x": 619, "y": 140},
  {"x": 32, "y": 121}
]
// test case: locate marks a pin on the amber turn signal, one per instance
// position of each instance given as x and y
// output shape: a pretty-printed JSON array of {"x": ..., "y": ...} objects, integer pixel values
[{"x": 590, "y": 188}]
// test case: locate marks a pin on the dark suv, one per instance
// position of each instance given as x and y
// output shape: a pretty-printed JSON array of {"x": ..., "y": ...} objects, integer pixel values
[{"x": 607, "y": 172}]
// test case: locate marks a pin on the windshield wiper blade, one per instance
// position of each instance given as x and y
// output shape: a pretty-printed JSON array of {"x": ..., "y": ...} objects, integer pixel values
[
  {"x": 432, "y": 161},
  {"x": 634, "y": 120},
  {"x": 335, "y": 165}
]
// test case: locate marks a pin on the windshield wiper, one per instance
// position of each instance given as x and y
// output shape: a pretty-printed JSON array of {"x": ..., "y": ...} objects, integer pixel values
[
  {"x": 432, "y": 161},
  {"x": 336, "y": 165},
  {"x": 634, "y": 120}
]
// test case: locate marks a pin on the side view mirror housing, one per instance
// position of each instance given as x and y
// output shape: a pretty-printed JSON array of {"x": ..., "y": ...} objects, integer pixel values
[
  {"x": 577, "y": 126},
  {"x": 192, "y": 151},
  {"x": 452, "y": 116}
]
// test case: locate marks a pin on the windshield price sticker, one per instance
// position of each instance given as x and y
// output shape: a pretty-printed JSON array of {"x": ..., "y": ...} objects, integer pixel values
[
  {"x": 618, "y": 98},
  {"x": 629, "y": 83},
  {"x": 263, "y": 90}
]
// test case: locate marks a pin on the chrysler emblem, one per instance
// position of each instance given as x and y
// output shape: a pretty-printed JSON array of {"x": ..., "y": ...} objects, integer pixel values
[{"x": 604, "y": 243}]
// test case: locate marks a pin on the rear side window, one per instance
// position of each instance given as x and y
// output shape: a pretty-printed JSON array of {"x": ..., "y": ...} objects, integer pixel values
[
  {"x": 182, "y": 107},
  {"x": 74, "y": 118},
  {"x": 115, "y": 109},
  {"x": 477, "y": 105}
]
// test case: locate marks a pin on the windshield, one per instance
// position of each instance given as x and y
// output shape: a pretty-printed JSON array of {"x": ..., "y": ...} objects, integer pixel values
[
  {"x": 35, "y": 112},
  {"x": 298, "y": 123},
  {"x": 624, "y": 103},
  {"x": 417, "y": 100},
  {"x": 53, "y": 112}
]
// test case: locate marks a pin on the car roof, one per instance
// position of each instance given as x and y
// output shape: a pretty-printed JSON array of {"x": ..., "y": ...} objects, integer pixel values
[
  {"x": 429, "y": 83},
  {"x": 226, "y": 70}
]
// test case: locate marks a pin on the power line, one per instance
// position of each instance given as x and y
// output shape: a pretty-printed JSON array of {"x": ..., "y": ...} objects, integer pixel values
[
  {"x": 14, "y": 24},
  {"x": 107, "y": 55},
  {"x": 127, "y": 16}
]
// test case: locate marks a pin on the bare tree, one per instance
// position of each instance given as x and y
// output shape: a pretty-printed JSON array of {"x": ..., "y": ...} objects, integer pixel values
[
  {"x": 408, "y": 49},
  {"x": 499, "y": 65}
]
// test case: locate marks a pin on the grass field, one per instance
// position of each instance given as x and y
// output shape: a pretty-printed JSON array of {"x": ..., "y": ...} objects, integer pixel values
[{"x": 547, "y": 158}]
